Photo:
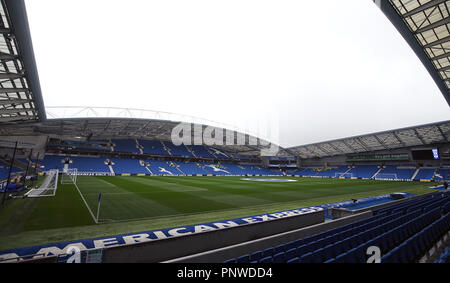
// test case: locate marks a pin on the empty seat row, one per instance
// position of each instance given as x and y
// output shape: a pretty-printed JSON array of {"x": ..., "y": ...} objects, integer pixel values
[
  {"x": 445, "y": 256},
  {"x": 412, "y": 249},
  {"x": 350, "y": 242},
  {"x": 403, "y": 206},
  {"x": 306, "y": 246},
  {"x": 389, "y": 239}
]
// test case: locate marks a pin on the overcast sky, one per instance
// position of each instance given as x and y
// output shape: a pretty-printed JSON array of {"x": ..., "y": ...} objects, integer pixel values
[{"x": 322, "y": 69}]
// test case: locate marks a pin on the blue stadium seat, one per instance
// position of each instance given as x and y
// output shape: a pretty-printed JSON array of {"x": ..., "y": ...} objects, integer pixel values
[
  {"x": 279, "y": 248},
  {"x": 401, "y": 237},
  {"x": 268, "y": 252},
  {"x": 293, "y": 260},
  {"x": 279, "y": 257},
  {"x": 267, "y": 259},
  {"x": 331, "y": 260},
  {"x": 243, "y": 259},
  {"x": 306, "y": 258},
  {"x": 291, "y": 253},
  {"x": 256, "y": 255}
]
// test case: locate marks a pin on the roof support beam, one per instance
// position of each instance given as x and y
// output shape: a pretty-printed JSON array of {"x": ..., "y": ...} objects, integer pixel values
[
  {"x": 381, "y": 142},
  {"x": 433, "y": 25},
  {"x": 442, "y": 56},
  {"x": 322, "y": 149},
  {"x": 7, "y": 56},
  {"x": 14, "y": 111},
  {"x": 363, "y": 144},
  {"x": 442, "y": 133},
  {"x": 349, "y": 146},
  {"x": 398, "y": 138},
  {"x": 10, "y": 76},
  {"x": 419, "y": 137},
  {"x": 291, "y": 152},
  {"x": 313, "y": 154},
  {"x": 12, "y": 90},
  {"x": 336, "y": 148},
  {"x": 445, "y": 69},
  {"x": 17, "y": 118},
  {"x": 17, "y": 18},
  {"x": 423, "y": 7},
  {"x": 5, "y": 30},
  {"x": 388, "y": 7},
  {"x": 440, "y": 41},
  {"x": 13, "y": 101}
]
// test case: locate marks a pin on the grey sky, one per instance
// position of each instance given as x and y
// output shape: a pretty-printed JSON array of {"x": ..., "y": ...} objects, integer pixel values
[{"x": 327, "y": 69}]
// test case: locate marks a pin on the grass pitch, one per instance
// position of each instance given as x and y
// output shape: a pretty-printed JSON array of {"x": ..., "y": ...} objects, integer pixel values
[{"x": 135, "y": 204}]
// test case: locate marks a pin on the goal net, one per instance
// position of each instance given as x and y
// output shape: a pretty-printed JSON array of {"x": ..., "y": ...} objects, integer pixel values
[
  {"x": 343, "y": 175},
  {"x": 48, "y": 186},
  {"x": 386, "y": 176},
  {"x": 69, "y": 176}
]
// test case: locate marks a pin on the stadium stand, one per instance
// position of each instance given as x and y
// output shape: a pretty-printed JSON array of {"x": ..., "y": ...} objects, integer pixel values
[
  {"x": 445, "y": 256},
  {"x": 84, "y": 145},
  {"x": 127, "y": 166},
  {"x": 198, "y": 167},
  {"x": 331, "y": 172},
  {"x": 294, "y": 172},
  {"x": 89, "y": 164},
  {"x": 364, "y": 171},
  {"x": 442, "y": 174},
  {"x": 425, "y": 174},
  {"x": 180, "y": 150},
  {"x": 200, "y": 151},
  {"x": 219, "y": 154},
  {"x": 4, "y": 170},
  {"x": 215, "y": 169},
  {"x": 153, "y": 147},
  {"x": 160, "y": 167},
  {"x": 400, "y": 173},
  {"x": 191, "y": 168},
  {"x": 125, "y": 145},
  {"x": 309, "y": 172},
  {"x": 403, "y": 232},
  {"x": 52, "y": 162}
]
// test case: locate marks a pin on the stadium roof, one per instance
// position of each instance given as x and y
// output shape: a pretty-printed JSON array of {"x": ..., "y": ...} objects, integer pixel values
[
  {"x": 422, "y": 135},
  {"x": 425, "y": 25},
  {"x": 105, "y": 123},
  {"x": 20, "y": 93}
]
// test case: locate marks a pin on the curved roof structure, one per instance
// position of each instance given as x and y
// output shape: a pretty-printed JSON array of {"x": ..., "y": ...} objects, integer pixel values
[
  {"x": 425, "y": 25},
  {"x": 20, "y": 93},
  {"x": 101, "y": 128},
  {"x": 427, "y": 134}
]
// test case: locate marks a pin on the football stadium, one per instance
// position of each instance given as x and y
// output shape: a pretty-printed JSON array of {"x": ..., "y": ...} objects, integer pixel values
[{"x": 110, "y": 184}]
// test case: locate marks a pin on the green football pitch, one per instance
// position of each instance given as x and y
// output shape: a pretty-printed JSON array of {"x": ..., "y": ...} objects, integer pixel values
[{"x": 132, "y": 204}]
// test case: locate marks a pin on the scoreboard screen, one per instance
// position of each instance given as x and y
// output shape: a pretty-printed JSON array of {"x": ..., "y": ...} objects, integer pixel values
[
  {"x": 425, "y": 154},
  {"x": 435, "y": 153}
]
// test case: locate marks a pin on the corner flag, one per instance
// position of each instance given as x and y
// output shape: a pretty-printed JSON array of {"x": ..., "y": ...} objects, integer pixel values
[{"x": 98, "y": 205}]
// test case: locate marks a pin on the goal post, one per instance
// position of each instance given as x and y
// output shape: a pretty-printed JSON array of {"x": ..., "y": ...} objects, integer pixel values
[
  {"x": 48, "y": 187},
  {"x": 343, "y": 175},
  {"x": 69, "y": 176}
]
